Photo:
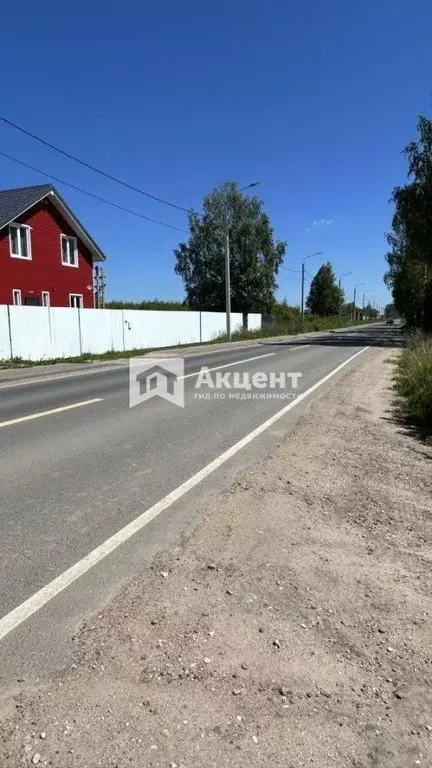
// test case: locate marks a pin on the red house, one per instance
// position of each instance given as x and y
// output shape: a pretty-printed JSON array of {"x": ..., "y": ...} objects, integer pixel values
[{"x": 46, "y": 255}]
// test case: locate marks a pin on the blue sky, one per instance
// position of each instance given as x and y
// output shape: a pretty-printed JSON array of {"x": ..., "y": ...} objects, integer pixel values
[{"x": 315, "y": 100}]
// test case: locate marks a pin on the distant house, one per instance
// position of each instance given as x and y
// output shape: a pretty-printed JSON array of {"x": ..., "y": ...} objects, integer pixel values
[{"x": 46, "y": 255}]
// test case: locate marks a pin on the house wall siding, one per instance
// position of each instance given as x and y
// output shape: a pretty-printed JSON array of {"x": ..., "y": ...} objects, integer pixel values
[{"x": 45, "y": 271}]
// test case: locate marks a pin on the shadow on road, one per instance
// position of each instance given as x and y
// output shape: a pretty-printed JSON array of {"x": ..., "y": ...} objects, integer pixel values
[{"x": 380, "y": 336}]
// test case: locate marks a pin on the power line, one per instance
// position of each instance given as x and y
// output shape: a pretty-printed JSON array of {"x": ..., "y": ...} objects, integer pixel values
[
  {"x": 297, "y": 278},
  {"x": 92, "y": 167},
  {"x": 289, "y": 270},
  {"x": 91, "y": 194}
]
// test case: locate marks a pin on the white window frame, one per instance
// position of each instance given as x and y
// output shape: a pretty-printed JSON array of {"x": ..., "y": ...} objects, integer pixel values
[
  {"x": 76, "y": 296},
  {"x": 19, "y": 297},
  {"x": 45, "y": 295},
  {"x": 68, "y": 238},
  {"x": 28, "y": 234}
]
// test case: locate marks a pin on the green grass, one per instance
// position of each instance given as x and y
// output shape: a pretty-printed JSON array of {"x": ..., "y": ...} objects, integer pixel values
[
  {"x": 278, "y": 329},
  {"x": 413, "y": 382},
  {"x": 293, "y": 327}
]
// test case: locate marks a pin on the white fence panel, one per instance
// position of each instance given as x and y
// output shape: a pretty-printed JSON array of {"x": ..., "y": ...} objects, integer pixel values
[
  {"x": 101, "y": 330},
  {"x": 145, "y": 329},
  {"x": 254, "y": 322},
  {"x": 212, "y": 325},
  {"x": 117, "y": 329},
  {"x": 42, "y": 333},
  {"x": 65, "y": 332},
  {"x": 30, "y": 331},
  {"x": 236, "y": 321},
  {"x": 5, "y": 350}
]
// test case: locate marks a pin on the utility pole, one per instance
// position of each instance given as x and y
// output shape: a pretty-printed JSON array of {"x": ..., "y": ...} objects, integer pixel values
[
  {"x": 302, "y": 291},
  {"x": 227, "y": 278},
  {"x": 96, "y": 287},
  {"x": 344, "y": 274},
  {"x": 227, "y": 263},
  {"x": 318, "y": 253},
  {"x": 102, "y": 288},
  {"x": 354, "y": 302},
  {"x": 363, "y": 303},
  {"x": 99, "y": 288}
]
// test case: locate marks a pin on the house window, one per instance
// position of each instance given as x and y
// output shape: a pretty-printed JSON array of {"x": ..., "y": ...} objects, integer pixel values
[
  {"x": 19, "y": 239},
  {"x": 45, "y": 299},
  {"x": 69, "y": 251},
  {"x": 76, "y": 300},
  {"x": 16, "y": 297}
]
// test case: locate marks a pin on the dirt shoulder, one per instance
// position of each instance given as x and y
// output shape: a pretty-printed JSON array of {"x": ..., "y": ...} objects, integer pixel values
[{"x": 292, "y": 629}]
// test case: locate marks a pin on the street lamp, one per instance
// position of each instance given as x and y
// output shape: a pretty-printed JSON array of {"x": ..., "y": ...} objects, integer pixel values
[
  {"x": 227, "y": 263},
  {"x": 354, "y": 302},
  {"x": 363, "y": 301},
  {"x": 344, "y": 274},
  {"x": 318, "y": 253}
]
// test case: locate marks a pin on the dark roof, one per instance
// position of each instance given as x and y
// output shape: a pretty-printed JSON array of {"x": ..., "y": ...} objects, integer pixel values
[{"x": 14, "y": 202}]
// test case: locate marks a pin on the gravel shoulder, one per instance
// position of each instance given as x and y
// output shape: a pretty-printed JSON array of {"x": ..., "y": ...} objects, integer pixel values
[{"x": 293, "y": 628}]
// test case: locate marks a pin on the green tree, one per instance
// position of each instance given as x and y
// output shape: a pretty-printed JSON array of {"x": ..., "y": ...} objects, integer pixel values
[
  {"x": 406, "y": 277},
  {"x": 283, "y": 312},
  {"x": 324, "y": 295},
  {"x": 410, "y": 257},
  {"x": 369, "y": 311},
  {"x": 254, "y": 254}
]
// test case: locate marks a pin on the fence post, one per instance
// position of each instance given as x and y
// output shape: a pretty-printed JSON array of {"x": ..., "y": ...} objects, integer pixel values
[
  {"x": 123, "y": 330},
  {"x": 79, "y": 331},
  {"x": 10, "y": 332}
]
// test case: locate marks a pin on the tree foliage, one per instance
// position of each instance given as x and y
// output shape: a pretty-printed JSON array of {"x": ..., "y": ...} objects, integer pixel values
[
  {"x": 368, "y": 311},
  {"x": 390, "y": 310},
  {"x": 148, "y": 304},
  {"x": 254, "y": 254},
  {"x": 283, "y": 312},
  {"x": 410, "y": 257},
  {"x": 324, "y": 295}
]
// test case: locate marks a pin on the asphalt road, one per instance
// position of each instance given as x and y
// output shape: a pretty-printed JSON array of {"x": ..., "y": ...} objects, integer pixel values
[{"x": 71, "y": 479}]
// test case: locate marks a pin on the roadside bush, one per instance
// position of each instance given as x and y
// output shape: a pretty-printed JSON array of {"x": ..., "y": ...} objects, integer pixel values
[{"x": 413, "y": 381}]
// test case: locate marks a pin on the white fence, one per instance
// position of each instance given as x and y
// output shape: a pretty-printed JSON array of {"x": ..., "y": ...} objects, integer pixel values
[{"x": 43, "y": 333}]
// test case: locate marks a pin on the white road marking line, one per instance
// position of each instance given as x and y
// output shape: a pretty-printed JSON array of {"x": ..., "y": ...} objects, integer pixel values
[
  {"x": 51, "y": 590},
  {"x": 116, "y": 367},
  {"x": 44, "y": 379},
  {"x": 48, "y": 413},
  {"x": 227, "y": 365},
  {"x": 11, "y": 422},
  {"x": 237, "y": 362},
  {"x": 290, "y": 349}
]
